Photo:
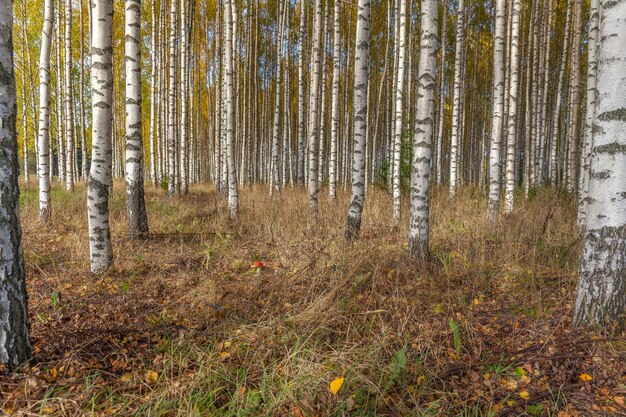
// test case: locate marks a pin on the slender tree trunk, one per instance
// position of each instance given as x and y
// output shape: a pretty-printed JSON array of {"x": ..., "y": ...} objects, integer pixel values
[
  {"x": 419, "y": 219},
  {"x": 184, "y": 101},
  {"x": 498, "y": 109},
  {"x": 135, "y": 202},
  {"x": 154, "y": 93},
  {"x": 334, "y": 129},
  {"x": 601, "y": 296},
  {"x": 399, "y": 94},
  {"x": 314, "y": 106},
  {"x": 573, "y": 138},
  {"x": 301, "y": 94},
  {"x": 233, "y": 193},
  {"x": 275, "y": 177},
  {"x": 442, "y": 97},
  {"x": 512, "y": 117},
  {"x": 69, "y": 98},
  {"x": 558, "y": 101},
  {"x": 81, "y": 95},
  {"x": 592, "y": 97},
  {"x": 456, "y": 106},
  {"x": 361, "y": 74},
  {"x": 171, "y": 118},
  {"x": 43, "y": 141},
  {"x": 100, "y": 172}
]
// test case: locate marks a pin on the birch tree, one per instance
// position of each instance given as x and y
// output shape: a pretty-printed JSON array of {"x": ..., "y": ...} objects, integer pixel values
[
  {"x": 498, "y": 109},
  {"x": 601, "y": 294},
  {"x": 419, "y": 219},
  {"x": 43, "y": 138},
  {"x": 334, "y": 127},
  {"x": 456, "y": 105},
  {"x": 397, "y": 148},
  {"x": 592, "y": 95},
  {"x": 572, "y": 183},
  {"x": 171, "y": 139},
  {"x": 14, "y": 343},
  {"x": 314, "y": 105},
  {"x": 301, "y": 93},
  {"x": 135, "y": 202},
  {"x": 101, "y": 151},
  {"x": 233, "y": 193},
  {"x": 512, "y": 115},
  {"x": 361, "y": 74},
  {"x": 69, "y": 100}
]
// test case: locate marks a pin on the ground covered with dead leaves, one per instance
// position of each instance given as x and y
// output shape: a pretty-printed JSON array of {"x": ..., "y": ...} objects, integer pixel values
[{"x": 276, "y": 315}]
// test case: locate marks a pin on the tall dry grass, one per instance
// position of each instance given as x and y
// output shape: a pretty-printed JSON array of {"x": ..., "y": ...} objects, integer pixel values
[{"x": 226, "y": 338}]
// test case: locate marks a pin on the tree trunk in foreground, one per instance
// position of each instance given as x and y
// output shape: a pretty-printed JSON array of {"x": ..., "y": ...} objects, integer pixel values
[
  {"x": 101, "y": 152},
  {"x": 135, "y": 202},
  {"x": 419, "y": 219},
  {"x": 361, "y": 62},
  {"x": 601, "y": 295},
  {"x": 14, "y": 344}
]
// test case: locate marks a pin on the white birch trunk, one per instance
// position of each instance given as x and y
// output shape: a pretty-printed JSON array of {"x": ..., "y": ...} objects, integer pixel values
[
  {"x": 101, "y": 152},
  {"x": 171, "y": 117},
  {"x": 69, "y": 98},
  {"x": 361, "y": 74},
  {"x": 154, "y": 93},
  {"x": 601, "y": 295},
  {"x": 334, "y": 128},
  {"x": 399, "y": 94},
  {"x": 43, "y": 140},
  {"x": 301, "y": 94},
  {"x": 419, "y": 219},
  {"x": 592, "y": 95},
  {"x": 512, "y": 116},
  {"x": 498, "y": 109},
  {"x": 135, "y": 202},
  {"x": 14, "y": 343},
  {"x": 314, "y": 106},
  {"x": 456, "y": 106},
  {"x": 233, "y": 192}
]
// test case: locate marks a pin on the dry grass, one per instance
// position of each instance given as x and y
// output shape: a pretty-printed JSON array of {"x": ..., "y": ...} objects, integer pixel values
[{"x": 184, "y": 326}]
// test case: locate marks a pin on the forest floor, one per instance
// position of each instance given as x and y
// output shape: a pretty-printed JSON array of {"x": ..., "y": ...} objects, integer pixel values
[{"x": 264, "y": 316}]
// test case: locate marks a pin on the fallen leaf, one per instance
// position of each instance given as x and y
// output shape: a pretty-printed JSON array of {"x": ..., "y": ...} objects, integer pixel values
[
  {"x": 151, "y": 377},
  {"x": 585, "y": 377},
  {"x": 524, "y": 394},
  {"x": 336, "y": 385}
]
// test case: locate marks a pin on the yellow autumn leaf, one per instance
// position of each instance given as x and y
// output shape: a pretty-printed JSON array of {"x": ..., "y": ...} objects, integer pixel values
[
  {"x": 224, "y": 355},
  {"x": 151, "y": 377},
  {"x": 53, "y": 373},
  {"x": 524, "y": 394},
  {"x": 127, "y": 377},
  {"x": 336, "y": 385},
  {"x": 476, "y": 301},
  {"x": 47, "y": 410},
  {"x": 585, "y": 377}
]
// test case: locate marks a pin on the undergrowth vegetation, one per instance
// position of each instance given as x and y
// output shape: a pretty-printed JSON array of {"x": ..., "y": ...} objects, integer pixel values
[{"x": 258, "y": 317}]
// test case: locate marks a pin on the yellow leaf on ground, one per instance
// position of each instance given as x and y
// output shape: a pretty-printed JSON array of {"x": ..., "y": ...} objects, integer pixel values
[
  {"x": 524, "y": 394},
  {"x": 224, "y": 355},
  {"x": 585, "y": 377},
  {"x": 151, "y": 377},
  {"x": 336, "y": 385}
]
